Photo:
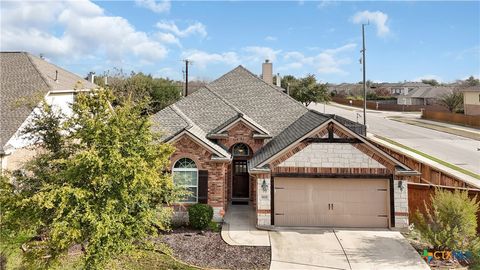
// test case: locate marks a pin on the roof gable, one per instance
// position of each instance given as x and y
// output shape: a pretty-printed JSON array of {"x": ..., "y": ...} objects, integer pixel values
[
  {"x": 263, "y": 103},
  {"x": 25, "y": 77},
  {"x": 320, "y": 155}
]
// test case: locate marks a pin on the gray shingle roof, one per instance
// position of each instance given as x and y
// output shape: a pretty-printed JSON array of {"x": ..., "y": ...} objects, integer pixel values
[
  {"x": 240, "y": 93},
  {"x": 205, "y": 109},
  {"x": 429, "y": 92},
  {"x": 471, "y": 89},
  {"x": 25, "y": 77},
  {"x": 273, "y": 110},
  {"x": 306, "y": 123},
  {"x": 167, "y": 122}
]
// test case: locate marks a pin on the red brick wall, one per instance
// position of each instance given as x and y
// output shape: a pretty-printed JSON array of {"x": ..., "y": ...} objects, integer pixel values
[
  {"x": 241, "y": 133},
  {"x": 188, "y": 148}
]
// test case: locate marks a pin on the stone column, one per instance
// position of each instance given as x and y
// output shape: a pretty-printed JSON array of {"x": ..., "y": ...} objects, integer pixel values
[
  {"x": 400, "y": 199},
  {"x": 263, "y": 200}
]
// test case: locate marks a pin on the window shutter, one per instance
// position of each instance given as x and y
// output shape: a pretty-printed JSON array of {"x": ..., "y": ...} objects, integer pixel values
[{"x": 203, "y": 186}]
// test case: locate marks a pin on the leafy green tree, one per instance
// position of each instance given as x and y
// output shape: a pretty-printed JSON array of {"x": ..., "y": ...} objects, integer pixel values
[
  {"x": 472, "y": 81},
  {"x": 159, "y": 92},
  {"x": 100, "y": 181},
  {"x": 288, "y": 81},
  {"x": 307, "y": 90},
  {"x": 451, "y": 223},
  {"x": 431, "y": 82},
  {"x": 452, "y": 101}
]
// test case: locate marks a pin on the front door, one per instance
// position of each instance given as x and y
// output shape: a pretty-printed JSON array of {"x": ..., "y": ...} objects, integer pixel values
[{"x": 240, "y": 187}]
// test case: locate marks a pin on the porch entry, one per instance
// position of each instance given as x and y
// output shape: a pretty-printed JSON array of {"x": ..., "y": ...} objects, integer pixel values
[
  {"x": 240, "y": 176},
  {"x": 240, "y": 187}
]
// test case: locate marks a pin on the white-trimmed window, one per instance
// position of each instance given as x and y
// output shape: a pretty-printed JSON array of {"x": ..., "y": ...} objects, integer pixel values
[
  {"x": 185, "y": 173},
  {"x": 240, "y": 150}
]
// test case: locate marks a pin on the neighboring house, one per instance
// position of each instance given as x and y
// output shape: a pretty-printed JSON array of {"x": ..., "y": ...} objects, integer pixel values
[
  {"x": 25, "y": 79},
  {"x": 471, "y": 100},
  {"x": 404, "y": 88},
  {"x": 347, "y": 89},
  {"x": 424, "y": 95},
  {"x": 241, "y": 140}
]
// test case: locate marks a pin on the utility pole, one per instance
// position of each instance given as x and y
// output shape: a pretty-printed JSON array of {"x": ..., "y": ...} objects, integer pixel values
[
  {"x": 186, "y": 76},
  {"x": 364, "y": 81}
]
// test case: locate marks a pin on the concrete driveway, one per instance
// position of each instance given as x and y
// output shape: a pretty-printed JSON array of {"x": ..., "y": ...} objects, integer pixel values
[{"x": 342, "y": 249}]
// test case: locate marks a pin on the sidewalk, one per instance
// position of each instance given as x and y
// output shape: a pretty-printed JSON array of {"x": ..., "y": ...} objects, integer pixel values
[{"x": 239, "y": 227}]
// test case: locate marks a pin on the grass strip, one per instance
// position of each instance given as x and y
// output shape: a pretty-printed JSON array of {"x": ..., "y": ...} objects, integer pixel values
[{"x": 444, "y": 163}]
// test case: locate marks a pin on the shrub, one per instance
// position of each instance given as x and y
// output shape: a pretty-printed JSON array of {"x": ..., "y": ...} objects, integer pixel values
[
  {"x": 214, "y": 226},
  {"x": 451, "y": 223},
  {"x": 200, "y": 215}
]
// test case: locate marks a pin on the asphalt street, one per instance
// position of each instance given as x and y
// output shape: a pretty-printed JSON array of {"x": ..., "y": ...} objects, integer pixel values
[{"x": 454, "y": 149}]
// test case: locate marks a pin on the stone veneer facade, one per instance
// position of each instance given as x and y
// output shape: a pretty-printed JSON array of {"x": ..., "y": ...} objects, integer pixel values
[{"x": 304, "y": 158}]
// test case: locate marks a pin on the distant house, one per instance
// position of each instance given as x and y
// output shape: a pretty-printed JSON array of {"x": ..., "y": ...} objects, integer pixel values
[
  {"x": 423, "y": 95},
  {"x": 26, "y": 78},
  {"x": 397, "y": 89},
  {"x": 347, "y": 89},
  {"x": 471, "y": 100}
]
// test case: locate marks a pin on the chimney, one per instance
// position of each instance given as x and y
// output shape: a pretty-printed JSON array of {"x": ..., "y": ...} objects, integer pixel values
[
  {"x": 106, "y": 80},
  {"x": 278, "y": 80},
  {"x": 267, "y": 72},
  {"x": 91, "y": 76}
]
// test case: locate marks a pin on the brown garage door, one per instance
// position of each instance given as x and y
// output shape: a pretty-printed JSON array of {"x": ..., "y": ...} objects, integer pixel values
[{"x": 331, "y": 202}]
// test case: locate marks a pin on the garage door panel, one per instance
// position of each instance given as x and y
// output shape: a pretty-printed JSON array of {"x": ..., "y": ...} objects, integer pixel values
[{"x": 331, "y": 202}]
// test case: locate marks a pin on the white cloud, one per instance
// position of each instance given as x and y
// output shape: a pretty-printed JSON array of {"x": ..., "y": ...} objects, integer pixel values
[
  {"x": 324, "y": 4},
  {"x": 157, "y": 7},
  {"x": 270, "y": 38},
  {"x": 202, "y": 59},
  {"x": 83, "y": 31},
  {"x": 376, "y": 17},
  {"x": 168, "y": 38},
  {"x": 195, "y": 28},
  {"x": 328, "y": 61},
  {"x": 257, "y": 53},
  {"x": 428, "y": 77}
]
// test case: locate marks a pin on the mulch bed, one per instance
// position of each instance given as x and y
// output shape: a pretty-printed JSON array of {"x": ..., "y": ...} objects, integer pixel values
[{"x": 207, "y": 249}]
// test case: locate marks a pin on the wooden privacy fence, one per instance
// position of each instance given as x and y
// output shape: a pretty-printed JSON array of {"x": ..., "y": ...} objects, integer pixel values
[
  {"x": 455, "y": 118},
  {"x": 420, "y": 194},
  {"x": 374, "y": 105}
]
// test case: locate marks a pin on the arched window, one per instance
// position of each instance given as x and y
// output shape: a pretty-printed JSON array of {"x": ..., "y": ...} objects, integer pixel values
[
  {"x": 185, "y": 173},
  {"x": 240, "y": 150}
]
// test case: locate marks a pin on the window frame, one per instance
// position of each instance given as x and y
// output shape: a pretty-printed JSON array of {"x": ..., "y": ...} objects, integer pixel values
[
  {"x": 176, "y": 169},
  {"x": 247, "y": 153}
]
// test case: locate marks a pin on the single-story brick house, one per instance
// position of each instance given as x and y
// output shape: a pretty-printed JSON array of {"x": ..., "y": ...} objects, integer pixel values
[{"x": 242, "y": 140}]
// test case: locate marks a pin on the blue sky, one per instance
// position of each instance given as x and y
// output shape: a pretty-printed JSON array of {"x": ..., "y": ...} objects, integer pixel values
[{"x": 405, "y": 40}]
